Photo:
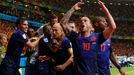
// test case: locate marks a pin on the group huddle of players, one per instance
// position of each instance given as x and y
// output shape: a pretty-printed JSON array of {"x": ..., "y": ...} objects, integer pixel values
[{"x": 63, "y": 49}]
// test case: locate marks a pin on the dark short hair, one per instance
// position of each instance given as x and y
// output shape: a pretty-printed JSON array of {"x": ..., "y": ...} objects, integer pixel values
[
  {"x": 52, "y": 16},
  {"x": 46, "y": 28},
  {"x": 71, "y": 21},
  {"x": 83, "y": 16},
  {"x": 20, "y": 20},
  {"x": 97, "y": 19}
]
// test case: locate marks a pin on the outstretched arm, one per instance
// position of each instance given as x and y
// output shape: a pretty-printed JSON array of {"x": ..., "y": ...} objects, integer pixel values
[
  {"x": 65, "y": 19},
  {"x": 112, "y": 26}
]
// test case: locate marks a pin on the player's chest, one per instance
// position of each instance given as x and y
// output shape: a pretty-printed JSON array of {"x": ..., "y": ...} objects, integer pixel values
[{"x": 87, "y": 44}]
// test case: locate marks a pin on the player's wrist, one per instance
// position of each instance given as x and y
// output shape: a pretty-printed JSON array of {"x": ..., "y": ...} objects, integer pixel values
[
  {"x": 73, "y": 9},
  {"x": 119, "y": 67}
]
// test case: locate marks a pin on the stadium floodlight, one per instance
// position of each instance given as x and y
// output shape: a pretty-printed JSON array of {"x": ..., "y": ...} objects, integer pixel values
[
  {"x": 95, "y": 2},
  {"x": 119, "y": 3},
  {"x": 126, "y": 4},
  {"x": 88, "y": 1},
  {"x": 111, "y": 3}
]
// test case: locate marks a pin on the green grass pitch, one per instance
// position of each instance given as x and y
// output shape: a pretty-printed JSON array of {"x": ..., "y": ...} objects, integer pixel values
[{"x": 128, "y": 70}]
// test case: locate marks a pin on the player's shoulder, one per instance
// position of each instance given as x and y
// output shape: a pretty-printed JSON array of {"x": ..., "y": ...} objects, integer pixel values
[
  {"x": 74, "y": 34},
  {"x": 94, "y": 34},
  {"x": 65, "y": 39},
  {"x": 18, "y": 32}
]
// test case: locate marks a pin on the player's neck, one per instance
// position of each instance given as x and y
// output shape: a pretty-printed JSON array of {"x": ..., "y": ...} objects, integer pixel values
[{"x": 86, "y": 34}]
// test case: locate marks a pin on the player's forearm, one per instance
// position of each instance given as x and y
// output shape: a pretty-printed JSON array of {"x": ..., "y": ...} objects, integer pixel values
[
  {"x": 65, "y": 19},
  {"x": 67, "y": 16},
  {"x": 114, "y": 61},
  {"x": 69, "y": 61},
  {"x": 112, "y": 26},
  {"x": 111, "y": 21},
  {"x": 32, "y": 44}
]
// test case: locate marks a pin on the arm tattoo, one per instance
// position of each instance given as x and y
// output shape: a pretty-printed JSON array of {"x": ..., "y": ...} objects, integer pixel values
[{"x": 65, "y": 20}]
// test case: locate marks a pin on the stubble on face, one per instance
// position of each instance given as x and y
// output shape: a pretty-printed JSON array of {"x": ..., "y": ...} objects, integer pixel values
[{"x": 86, "y": 24}]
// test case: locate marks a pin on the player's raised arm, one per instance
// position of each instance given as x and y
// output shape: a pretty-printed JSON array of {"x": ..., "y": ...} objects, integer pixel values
[
  {"x": 65, "y": 19},
  {"x": 112, "y": 26}
]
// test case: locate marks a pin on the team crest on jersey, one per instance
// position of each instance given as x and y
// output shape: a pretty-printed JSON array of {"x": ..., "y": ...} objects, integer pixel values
[
  {"x": 24, "y": 36},
  {"x": 108, "y": 44},
  {"x": 45, "y": 40},
  {"x": 93, "y": 38}
]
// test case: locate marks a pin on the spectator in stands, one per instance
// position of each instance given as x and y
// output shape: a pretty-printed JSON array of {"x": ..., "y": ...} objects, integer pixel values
[
  {"x": 7, "y": 27},
  {"x": 123, "y": 47}
]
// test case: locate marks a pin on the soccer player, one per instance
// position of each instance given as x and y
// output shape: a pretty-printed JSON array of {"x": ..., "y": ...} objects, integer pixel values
[
  {"x": 18, "y": 40},
  {"x": 45, "y": 52},
  {"x": 63, "y": 54},
  {"x": 31, "y": 54},
  {"x": 51, "y": 21},
  {"x": 105, "y": 51},
  {"x": 86, "y": 43},
  {"x": 72, "y": 27}
]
